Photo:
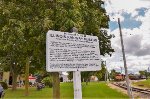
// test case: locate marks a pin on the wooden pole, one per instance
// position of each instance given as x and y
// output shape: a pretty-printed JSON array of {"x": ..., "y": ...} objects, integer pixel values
[
  {"x": 125, "y": 65},
  {"x": 56, "y": 85}
]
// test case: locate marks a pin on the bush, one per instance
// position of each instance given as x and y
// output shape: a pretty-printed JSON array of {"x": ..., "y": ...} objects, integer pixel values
[
  {"x": 30, "y": 83},
  {"x": 4, "y": 84},
  {"x": 47, "y": 81}
]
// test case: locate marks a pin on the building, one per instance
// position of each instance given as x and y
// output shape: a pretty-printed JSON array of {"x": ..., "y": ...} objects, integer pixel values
[
  {"x": 7, "y": 77},
  {"x": 64, "y": 77},
  {"x": 93, "y": 78}
]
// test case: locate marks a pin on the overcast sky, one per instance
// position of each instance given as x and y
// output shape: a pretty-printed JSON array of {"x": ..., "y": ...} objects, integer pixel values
[{"x": 135, "y": 22}]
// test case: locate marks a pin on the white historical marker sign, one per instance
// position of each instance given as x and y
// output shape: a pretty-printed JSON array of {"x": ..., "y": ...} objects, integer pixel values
[{"x": 72, "y": 52}]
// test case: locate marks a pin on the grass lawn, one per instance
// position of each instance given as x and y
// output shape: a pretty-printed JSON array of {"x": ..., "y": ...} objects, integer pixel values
[
  {"x": 145, "y": 83},
  {"x": 90, "y": 91}
]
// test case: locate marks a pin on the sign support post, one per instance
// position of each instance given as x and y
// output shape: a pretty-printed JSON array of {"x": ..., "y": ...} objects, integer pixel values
[
  {"x": 77, "y": 85},
  {"x": 77, "y": 79}
]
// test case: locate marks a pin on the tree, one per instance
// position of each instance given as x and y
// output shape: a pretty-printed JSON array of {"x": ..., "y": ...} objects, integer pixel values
[
  {"x": 85, "y": 76},
  {"x": 70, "y": 75},
  {"x": 101, "y": 73},
  {"x": 23, "y": 27},
  {"x": 144, "y": 73},
  {"x": 10, "y": 48},
  {"x": 95, "y": 21},
  {"x": 87, "y": 16},
  {"x": 22, "y": 32},
  {"x": 113, "y": 74}
]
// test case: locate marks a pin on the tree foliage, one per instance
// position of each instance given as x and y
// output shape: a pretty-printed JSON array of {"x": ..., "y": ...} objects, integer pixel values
[
  {"x": 85, "y": 76},
  {"x": 101, "y": 73},
  {"x": 113, "y": 74},
  {"x": 24, "y": 23},
  {"x": 144, "y": 73},
  {"x": 23, "y": 28}
]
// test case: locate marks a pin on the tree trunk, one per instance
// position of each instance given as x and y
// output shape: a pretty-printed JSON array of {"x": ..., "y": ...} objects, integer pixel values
[
  {"x": 14, "y": 76},
  {"x": 87, "y": 81},
  {"x": 56, "y": 85},
  {"x": 26, "y": 77},
  {"x": 14, "y": 81}
]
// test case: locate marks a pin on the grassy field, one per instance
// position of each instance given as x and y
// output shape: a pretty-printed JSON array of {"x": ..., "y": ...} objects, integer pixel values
[
  {"x": 90, "y": 91},
  {"x": 145, "y": 83}
]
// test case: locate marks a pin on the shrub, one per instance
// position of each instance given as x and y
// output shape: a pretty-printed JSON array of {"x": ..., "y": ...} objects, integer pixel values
[
  {"x": 47, "y": 81},
  {"x": 30, "y": 83},
  {"x": 4, "y": 84}
]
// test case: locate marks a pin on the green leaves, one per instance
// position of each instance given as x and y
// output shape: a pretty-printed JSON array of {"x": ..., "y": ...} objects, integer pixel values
[{"x": 23, "y": 25}]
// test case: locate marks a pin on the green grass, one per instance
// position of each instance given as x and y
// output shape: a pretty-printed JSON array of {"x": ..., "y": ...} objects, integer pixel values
[
  {"x": 66, "y": 91},
  {"x": 33, "y": 94},
  {"x": 100, "y": 91},
  {"x": 90, "y": 91},
  {"x": 145, "y": 83}
]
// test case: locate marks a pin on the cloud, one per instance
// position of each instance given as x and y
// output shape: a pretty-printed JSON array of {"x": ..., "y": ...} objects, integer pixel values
[
  {"x": 119, "y": 6},
  {"x": 128, "y": 20},
  {"x": 132, "y": 44},
  {"x": 146, "y": 0},
  {"x": 145, "y": 50},
  {"x": 135, "y": 22},
  {"x": 115, "y": 8}
]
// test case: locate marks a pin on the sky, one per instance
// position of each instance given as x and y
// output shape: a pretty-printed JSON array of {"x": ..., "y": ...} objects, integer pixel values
[{"x": 135, "y": 22}]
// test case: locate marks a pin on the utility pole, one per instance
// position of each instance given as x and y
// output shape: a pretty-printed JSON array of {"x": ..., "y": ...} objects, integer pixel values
[
  {"x": 121, "y": 69},
  {"x": 107, "y": 79},
  {"x": 125, "y": 65},
  {"x": 106, "y": 73},
  {"x": 147, "y": 73}
]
